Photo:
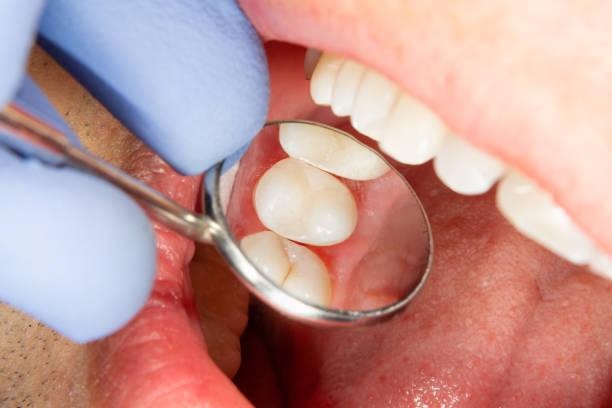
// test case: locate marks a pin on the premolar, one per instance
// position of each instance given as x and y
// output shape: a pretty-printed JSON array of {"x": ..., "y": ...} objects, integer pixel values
[
  {"x": 465, "y": 169},
  {"x": 329, "y": 150},
  {"x": 305, "y": 204},
  {"x": 373, "y": 102},
  {"x": 324, "y": 77},
  {"x": 345, "y": 87},
  {"x": 293, "y": 267},
  {"x": 413, "y": 134}
]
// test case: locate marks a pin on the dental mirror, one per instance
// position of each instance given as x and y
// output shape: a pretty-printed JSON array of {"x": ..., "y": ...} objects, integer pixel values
[
  {"x": 319, "y": 226},
  {"x": 315, "y": 223}
]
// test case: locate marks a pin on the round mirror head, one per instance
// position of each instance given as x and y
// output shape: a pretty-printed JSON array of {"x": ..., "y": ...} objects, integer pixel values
[{"x": 320, "y": 226}]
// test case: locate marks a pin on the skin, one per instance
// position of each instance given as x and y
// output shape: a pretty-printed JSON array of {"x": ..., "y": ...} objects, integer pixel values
[{"x": 551, "y": 100}]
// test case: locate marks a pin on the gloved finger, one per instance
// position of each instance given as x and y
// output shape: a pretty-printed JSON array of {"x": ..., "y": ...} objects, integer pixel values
[
  {"x": 77, "y": 253},
  {"x": 189, "y": 77},
  {"x": 18, "y": 20}
]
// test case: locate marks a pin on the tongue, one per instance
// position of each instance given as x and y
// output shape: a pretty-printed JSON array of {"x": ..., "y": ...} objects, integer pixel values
[{"x": 160, "y": 358}]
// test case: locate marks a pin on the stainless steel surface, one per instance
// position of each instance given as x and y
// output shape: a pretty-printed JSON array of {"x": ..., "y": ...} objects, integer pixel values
[{"x": 210, "y": 227}]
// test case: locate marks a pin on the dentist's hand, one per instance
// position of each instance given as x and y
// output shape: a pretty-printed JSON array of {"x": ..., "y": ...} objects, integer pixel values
[{"x": 189, "y": 77}]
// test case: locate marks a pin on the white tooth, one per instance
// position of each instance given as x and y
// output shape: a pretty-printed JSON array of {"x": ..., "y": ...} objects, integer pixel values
[
  {"x": 601, "y": 265},
  {"x": 267, "y": 251},
  {"x": 305, "y": 204},
  {"x": 291, "y": 266},
  {"x": 345, "y": 87},
  {"x": 373, "y": 103},
  {"x": 331, "y": 151},
  {"x": 533, "y": 212},
  {"x": 308, "y": 278},
  {"x": 323, "y": 79},
  {"x": 413, "y": 134},
  {"x": 465, "y": 169}
]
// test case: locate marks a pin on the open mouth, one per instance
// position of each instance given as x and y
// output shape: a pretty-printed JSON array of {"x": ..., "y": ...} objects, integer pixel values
[{"x": 502, "y": 321}]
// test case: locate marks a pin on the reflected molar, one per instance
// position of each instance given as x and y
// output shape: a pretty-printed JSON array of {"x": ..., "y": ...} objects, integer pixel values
[
  {"x": 305, "y": 204},
  {"x": 293, "y": 267},
  {"x": 328, "y": 150},
  {"x": 533, "y": 212}
]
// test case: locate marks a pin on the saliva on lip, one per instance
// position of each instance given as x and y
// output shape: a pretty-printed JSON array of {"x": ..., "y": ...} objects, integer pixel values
[{"x": 326, "y": 219}]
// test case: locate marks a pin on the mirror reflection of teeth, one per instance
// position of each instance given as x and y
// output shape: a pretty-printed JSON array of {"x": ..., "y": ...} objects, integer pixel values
[
  {"x": 293, "y": 267},
  {"x": 412, "y": 134},
  {"x": 331, "y": 151},
  {"x": 305, "y": 204}
]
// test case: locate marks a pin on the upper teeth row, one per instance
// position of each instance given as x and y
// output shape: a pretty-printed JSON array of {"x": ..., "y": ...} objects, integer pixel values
[
  {"x": 405, "y": 129},
  {"x": 412, "y": 134}
]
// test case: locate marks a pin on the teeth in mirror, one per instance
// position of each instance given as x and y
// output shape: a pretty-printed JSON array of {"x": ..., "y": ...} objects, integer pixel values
[
  {"x": 300, "y": 202},
  {"x": 293, "y": 267},
  {"x": 412, "y": 134},
  {"x": 330, "y": 151}
]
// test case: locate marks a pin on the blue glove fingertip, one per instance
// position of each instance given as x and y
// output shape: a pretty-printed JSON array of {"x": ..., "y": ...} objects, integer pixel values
[
  {"x": 190, "y": 78},
  {"x": 77, "y": 253},
  {"x": 18, "y": 20}
]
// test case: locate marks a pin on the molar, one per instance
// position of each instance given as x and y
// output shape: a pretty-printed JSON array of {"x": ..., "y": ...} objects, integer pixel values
[
  {"x": 305, "y": 204},
  {"x": 293, "y": 267},
  {"x": 328, "y": 150}
]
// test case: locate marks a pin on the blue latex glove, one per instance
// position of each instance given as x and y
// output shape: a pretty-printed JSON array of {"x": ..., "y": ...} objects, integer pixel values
[{"x": 189, "y": 77}]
